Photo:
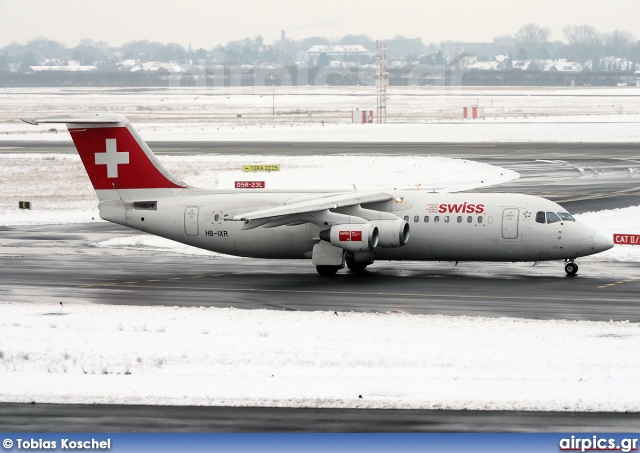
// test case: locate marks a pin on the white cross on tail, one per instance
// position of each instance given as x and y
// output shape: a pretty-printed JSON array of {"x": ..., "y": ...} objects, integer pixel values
[{"x": 112, "y": 158}]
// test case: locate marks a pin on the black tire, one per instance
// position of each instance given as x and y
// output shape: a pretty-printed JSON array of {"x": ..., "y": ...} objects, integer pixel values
[
  {"x": 327, "y": 271},
  {"x": 571, "y": 268},
  {"x": 356, "y": 267}
]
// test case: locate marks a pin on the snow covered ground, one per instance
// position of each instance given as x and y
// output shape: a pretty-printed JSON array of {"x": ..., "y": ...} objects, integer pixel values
[
  {"x": 84, "y": 353},
  {"x": 414, "y": 114}
]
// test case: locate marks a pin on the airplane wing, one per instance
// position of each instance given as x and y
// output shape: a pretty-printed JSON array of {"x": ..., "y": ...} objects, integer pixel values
[{"x": 314, "y": 211}]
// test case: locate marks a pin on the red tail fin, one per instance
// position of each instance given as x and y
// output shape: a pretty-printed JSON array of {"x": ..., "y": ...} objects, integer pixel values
[{"x": 114, "y": 155}]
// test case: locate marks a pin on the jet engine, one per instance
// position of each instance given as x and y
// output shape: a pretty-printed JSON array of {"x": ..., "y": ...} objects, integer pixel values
[
  {"x": 352, "y": 237},
  {"x": 392, "y": 233}
]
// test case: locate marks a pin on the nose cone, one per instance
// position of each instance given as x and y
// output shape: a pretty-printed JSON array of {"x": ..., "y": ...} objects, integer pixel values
[{"x": 602, "y": 241}]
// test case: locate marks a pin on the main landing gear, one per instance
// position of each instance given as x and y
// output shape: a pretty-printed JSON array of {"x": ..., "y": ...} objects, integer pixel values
[
  {"x": 356, "y": 267},
  {"x": 571, "y": 268},
  {"x": 328, "y": 271}
]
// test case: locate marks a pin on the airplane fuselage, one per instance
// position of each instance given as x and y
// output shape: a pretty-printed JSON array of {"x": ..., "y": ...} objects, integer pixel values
[{"x": 443, "y": 226}]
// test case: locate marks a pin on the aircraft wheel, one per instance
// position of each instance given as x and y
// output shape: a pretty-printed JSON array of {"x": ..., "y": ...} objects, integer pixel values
[
  {"x": 327, "y": 271},
  {"x": 571, "y": 268},
  {"x": 356, "y": 267}
]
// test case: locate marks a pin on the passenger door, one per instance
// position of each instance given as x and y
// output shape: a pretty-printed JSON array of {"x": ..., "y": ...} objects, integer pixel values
[
  {"x": 510, "y": 218},
  {"x": 191, "y": 220}
]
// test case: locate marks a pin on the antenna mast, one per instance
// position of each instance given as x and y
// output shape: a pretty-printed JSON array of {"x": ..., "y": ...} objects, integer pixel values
[{"x": 381, "y": 82}]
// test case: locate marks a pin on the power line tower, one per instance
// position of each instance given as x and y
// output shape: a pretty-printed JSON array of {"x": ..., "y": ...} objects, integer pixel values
[{"x": 381, "y": 82}]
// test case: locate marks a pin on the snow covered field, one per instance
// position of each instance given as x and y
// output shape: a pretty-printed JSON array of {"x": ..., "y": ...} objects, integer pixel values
[
  {"x": 414, "y": 114},
  {"x": 84, "y": 353}
]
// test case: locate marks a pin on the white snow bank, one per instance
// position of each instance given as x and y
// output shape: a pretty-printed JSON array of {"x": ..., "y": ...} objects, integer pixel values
[
  {"x": 83, "y": 353},
  {"x": 149, "y": 243},
  {"x": 615, "y": 221}
]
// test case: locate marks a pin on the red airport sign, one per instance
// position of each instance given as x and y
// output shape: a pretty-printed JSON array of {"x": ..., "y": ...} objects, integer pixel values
[
  {"x": 250, "y": 185},
  {"x": 626, "y": 239}
]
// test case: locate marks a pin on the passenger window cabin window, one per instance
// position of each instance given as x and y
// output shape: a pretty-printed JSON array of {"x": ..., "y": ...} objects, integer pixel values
[
  {"x": 436, "y": 219},
  {"x": 426, "y": 219},
  {"x": 552, "y": 217},
  {"x": 479, "y": 219},
  {"x": 446, "y": 219},
  {"x": 459, "y": 219},
  {"x": 540, "y": 217},
  {"x": 216, "y": 217},
  {"x": 416, "y": 219},
  {"x": 406, "y": 218},
  {"x": 470, "y": 219}
]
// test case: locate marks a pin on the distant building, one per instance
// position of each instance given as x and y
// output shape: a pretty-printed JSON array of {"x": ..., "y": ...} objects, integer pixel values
[
  {"x": 156, "y": 66},
  {"x": 72, "y": 65},
  {"x": 503, "y": 63},
  {"x": 484, "y": 50},
  {"x": 564, "y": 66},
  {"x": 502, "y": 45},
  {"x": 612, "y": 64},
  {"x": 338, "y": 52}
]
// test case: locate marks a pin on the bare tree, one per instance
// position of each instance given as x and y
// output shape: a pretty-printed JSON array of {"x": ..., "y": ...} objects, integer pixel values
[
  {"x": 582, "y": 35},
  {"x": 531, "y": 39},
  {"x": 584, "y": 43},
  {"x": 532, "y": 34},
  {"x": 619, "y": 43}
]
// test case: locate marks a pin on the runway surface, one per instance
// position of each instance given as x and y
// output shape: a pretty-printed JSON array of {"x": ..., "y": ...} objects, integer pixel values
[
  {"x": 600, "y": 292},
  {"x": 117, "y": 418},
  {"x": 60, "y": 263}
]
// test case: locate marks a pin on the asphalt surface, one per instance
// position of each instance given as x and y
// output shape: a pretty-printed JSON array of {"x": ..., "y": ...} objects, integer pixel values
[
  {"x": 118, "y": 418},
  {"x": 600, "y": 291},
  {"x": 55, "y": 264}
]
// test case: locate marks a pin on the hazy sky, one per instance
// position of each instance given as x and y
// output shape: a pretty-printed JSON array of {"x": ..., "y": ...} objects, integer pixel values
[{"x": 208, "y": 23}]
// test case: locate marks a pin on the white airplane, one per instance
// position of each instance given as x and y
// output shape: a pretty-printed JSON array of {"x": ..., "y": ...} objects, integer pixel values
[{"x": 332, "y": 228}]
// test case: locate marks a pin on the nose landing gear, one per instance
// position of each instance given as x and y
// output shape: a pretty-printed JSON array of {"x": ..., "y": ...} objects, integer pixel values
[{"x": 571, "y": 268}]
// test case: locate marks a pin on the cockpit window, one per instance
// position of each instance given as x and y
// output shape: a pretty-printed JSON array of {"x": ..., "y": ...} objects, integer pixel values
[
  {"x": 541, "y": 217},
  {"x": 552, "y": 217},
  {"x": 566, "y": 216}
]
